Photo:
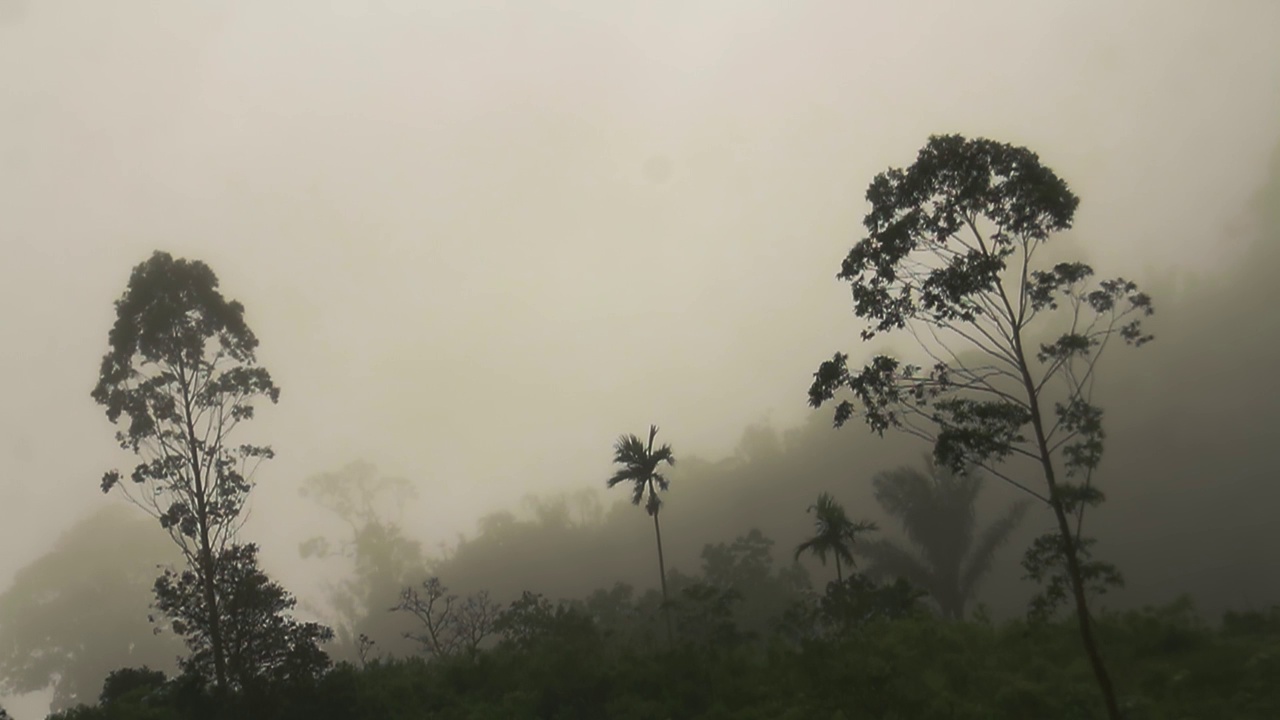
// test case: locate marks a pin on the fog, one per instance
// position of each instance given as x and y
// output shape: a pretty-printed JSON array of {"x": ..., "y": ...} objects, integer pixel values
[{"x": 480, "y": 241}]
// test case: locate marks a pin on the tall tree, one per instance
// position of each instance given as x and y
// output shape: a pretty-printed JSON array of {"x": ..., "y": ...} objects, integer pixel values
[
  {"x": 951, "y": 257},
  {"x": 181, "y": 368},
  {"x": 834, "y": 534},
  {"x": 936, "y": 509},
  {"x": 639, "y": 465}
]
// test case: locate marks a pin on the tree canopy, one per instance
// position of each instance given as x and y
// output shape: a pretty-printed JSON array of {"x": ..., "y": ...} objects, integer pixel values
[
  {"x": 181, "y": 370},
  {"x": 950, "y": 256}
]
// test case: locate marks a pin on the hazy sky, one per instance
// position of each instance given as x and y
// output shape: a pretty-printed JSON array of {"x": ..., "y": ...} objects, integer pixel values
[{"x": 480, "y": 240}]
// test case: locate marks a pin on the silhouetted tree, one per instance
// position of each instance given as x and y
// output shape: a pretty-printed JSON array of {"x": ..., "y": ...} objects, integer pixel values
[
  {"x": 78, "y": 611},
  {"x": 451, "y": 626},
  {"x": 950, "y": 256},
  {"x": 639, "y": 467},
  {"x": 129, "y": 681},
  {"x": 936, "y": 509},
  {"x": 834, "y": 534},
  {"x": 181, "y": 368},
  {"x": 261, "y": 644}
]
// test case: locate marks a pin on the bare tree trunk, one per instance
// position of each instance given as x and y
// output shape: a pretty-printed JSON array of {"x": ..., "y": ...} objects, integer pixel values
[{"x": 662, "y": 569}]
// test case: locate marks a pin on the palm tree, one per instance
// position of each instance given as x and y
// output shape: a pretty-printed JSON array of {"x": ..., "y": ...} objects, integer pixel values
[
  {"x": 639, "y": 466},
  {"x": 835, "y": 534},
  {"x": 936, "y": 509}
]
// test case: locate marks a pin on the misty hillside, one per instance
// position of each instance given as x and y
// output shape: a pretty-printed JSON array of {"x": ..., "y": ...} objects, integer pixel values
[{"x": 1187, "y": 472}]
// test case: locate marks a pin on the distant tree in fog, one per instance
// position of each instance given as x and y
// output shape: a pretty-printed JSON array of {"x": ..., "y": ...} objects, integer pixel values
[
  {"x": 951, "y": 255},
  {"x": 745, "y": 566},
  {"x": 639, "y": 466},
  {"x": 385, "y": 559},
  {"x": 75, "y": 613},
  {"x": 936, "y": 509},
  {"x": 834, "y": 534}
]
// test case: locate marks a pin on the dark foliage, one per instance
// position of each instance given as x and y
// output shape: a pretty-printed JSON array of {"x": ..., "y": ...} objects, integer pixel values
[
  {"x": 263, "y": 645},
  {"x": 871, "y": 654}
]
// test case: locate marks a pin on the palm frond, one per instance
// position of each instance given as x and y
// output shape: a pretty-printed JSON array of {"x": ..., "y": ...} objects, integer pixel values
[
  {"x": 935, "y": 509},
  {"x": 983, "y": 553},
  {"x": 813, "y": 545},
  {"x": 663, "y": 455},
  {"x": 834, "y": 533},
  {"x": 638, "y": 465}
]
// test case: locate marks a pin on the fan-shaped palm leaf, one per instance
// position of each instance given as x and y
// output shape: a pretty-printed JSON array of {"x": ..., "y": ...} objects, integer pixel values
[
  {"x": 936, "y": 510},
  {"x": 983, "y": 553}
]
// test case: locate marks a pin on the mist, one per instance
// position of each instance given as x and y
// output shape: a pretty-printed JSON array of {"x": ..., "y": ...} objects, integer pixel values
[{"x": 478, "y": 243}]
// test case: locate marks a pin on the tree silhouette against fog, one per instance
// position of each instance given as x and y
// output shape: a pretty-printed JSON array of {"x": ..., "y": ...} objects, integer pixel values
[
  {"x": 951, "y": 257},
  {"x": 639, "y": 465},
  {"x": 834, "y": 534},
  {"x": 936, "y": 509},
  {"x": 181, "y": 370}
]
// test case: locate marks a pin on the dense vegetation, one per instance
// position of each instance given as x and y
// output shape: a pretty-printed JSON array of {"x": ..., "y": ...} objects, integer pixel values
[{"x": 853, "y": 652}]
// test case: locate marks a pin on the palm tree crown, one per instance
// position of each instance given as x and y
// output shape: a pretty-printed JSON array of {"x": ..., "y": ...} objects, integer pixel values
[
  {"x": 834, "y": 534},
  {"x": 936, "y": 510},
  {"x": 639, "y": 466}
]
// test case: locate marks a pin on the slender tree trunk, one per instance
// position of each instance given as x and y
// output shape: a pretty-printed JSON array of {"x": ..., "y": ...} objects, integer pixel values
[
  {"x": 1069, "y": 545},
  {"x": 206, "y": 565},
  {"x": 662, "y": 570},
  {"x": 208, "y": 582},
  {"x": 1082, "y": 614},
  {"x": 839, "y": 572}
]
